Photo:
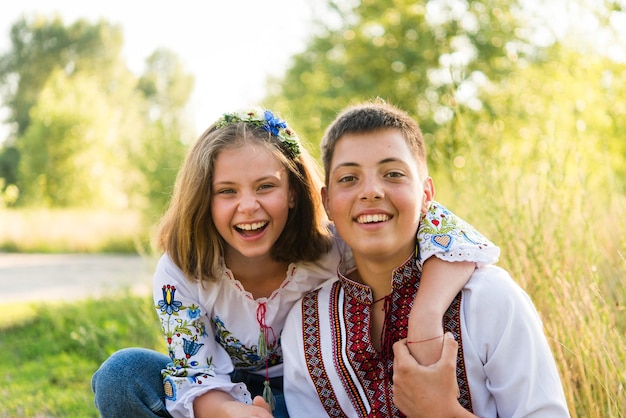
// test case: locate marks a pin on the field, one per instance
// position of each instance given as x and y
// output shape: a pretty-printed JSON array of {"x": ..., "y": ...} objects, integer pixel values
[{"x": 567, "y": 254}]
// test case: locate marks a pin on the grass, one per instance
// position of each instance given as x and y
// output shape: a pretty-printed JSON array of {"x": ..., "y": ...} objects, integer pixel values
[
  {"x": 71, "y": 231},
  {"x": 560, "y": 221},
  {"x": 561, "y": 228},
  {"x": 569, "y": 261},
  {"x": 51, "y": 352}
]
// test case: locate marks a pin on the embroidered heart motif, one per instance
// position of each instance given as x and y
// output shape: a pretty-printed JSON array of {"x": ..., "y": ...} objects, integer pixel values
[
  {"x": 435, "y": 222},
  {"x": 443, "y": 241}
]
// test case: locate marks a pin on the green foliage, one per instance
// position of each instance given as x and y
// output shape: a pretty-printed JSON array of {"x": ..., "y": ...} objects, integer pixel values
[
  {"x": 52, "y": 355},
  {"x": 73, "y": 150},
  {"x": 43, "y": 46},
  {"x": 397, "y": 51},
  {"x": 88, "y": 133},
  {"x": 166, "y": 89}
]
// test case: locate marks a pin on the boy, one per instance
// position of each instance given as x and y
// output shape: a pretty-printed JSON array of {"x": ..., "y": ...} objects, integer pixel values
[{"x": 338, "y": 340}]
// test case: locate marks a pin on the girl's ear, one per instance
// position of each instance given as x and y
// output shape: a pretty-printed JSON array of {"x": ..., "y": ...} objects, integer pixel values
[
  {"x": 429, "y": 194},
  {"x": 324, "y": 192},
  {"x": 292, "y": 199}
]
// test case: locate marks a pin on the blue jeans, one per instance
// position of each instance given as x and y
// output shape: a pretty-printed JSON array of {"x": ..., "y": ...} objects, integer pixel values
[{"x": 129, "y": 384}]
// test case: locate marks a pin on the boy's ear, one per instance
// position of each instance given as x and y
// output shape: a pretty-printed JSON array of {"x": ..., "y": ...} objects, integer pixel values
[
  {"x": 324, "y": 192},
  {"x": 429, "y": 194}
]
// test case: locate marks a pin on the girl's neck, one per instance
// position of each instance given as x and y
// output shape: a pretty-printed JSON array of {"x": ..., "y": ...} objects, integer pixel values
[{"x": 259, "y": 276}]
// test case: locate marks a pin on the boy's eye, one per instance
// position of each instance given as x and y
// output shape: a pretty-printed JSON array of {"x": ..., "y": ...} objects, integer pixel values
[
  {"x": 346, "y": 178},
  {"x": 394, "y": 174}
]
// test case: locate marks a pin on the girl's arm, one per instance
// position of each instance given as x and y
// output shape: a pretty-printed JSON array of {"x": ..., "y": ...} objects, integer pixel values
[
  {"x": 440, "y": 283},
  {"x": 199, "y": 364},
  {"x": 217, "y": 404},
  {"x": 450, "y": 250}
]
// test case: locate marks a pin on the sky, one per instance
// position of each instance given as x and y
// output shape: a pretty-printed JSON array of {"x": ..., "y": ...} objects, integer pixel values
[{"x": 229, "y": 46}]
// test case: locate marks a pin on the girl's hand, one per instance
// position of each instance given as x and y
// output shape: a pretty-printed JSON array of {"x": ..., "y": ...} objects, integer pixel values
[{"x": 218, "y": 404}]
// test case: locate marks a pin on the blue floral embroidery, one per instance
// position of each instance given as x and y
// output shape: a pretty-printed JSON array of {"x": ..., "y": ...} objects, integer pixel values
[
  {"x": 182, "y": 332},
  {"x": 441, "y": 229},
  {"x": 168, "y": 304},
  {"x": 191, "y": 347},
  {"x": 193, "y": 312},
  {"x": 244, "y": 357}
]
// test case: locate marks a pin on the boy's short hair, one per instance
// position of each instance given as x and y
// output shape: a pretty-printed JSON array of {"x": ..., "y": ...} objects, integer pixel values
[{"x": 372, "y": 116}]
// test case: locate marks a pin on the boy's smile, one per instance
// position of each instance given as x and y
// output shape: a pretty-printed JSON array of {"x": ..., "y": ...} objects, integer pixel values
[{"x": 375, "y": 195}]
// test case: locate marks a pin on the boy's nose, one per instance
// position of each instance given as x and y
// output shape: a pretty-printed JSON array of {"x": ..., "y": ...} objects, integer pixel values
[{"x": 371, "y": 190}]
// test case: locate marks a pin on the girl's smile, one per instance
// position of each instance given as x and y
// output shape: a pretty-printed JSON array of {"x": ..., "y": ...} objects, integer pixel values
[{"x": 250, "y": 201}]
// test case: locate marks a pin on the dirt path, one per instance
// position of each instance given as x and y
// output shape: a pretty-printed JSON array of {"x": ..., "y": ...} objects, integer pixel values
[{"x": 64, "y": 277}]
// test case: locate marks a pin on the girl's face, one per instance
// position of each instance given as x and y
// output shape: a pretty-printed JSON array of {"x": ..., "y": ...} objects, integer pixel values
[
  {"x": 251, "y": 201},
  {"x": 375, "y": 195}
]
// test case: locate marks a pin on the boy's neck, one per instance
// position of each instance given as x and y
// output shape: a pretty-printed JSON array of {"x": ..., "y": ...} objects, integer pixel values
[{"x": 375, "y": 273}]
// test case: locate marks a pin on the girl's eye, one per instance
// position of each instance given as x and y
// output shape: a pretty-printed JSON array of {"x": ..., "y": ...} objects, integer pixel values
[
  {"x": 266, "y": 186},
  {"x": 226, "y": 191}
]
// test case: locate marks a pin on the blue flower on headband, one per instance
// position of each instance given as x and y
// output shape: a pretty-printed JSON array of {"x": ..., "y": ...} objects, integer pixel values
[
  {"x": 273, "y": 124},
  {"x": 267, "y": 121}
]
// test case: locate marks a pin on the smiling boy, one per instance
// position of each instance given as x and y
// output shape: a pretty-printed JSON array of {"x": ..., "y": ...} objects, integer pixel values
[{"x": 338, "y": 340}]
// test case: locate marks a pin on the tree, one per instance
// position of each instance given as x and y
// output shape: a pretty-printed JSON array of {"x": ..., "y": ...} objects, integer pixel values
[
  {"x": 408, "y": 52},
  {"x": 88, "y": 132},
  {"x": 166, "y": 89},
  {"x": 41, "y": 48}
]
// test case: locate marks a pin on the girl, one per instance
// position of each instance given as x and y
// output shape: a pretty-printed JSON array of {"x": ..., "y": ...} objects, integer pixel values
[{"x": 244, "y": 238}]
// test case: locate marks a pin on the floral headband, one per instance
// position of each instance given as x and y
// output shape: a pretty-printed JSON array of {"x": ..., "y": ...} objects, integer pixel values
[{"x": 267, "y": 121}]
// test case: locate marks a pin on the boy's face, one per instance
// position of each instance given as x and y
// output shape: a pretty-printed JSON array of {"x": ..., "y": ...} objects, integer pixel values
[{"x": 375, "y": 195}]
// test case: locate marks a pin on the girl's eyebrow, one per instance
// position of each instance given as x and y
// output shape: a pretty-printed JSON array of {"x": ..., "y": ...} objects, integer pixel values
[{"x": 259, "y": 180}]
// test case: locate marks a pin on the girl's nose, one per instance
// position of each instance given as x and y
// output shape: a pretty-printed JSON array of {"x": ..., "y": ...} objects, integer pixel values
[{"x": 248, "y": 202}]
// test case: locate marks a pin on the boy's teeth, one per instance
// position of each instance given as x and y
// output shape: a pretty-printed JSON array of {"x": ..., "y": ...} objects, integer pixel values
[
  {"x": 372, "y": 218},
  {"x": 251, "y": 227}
]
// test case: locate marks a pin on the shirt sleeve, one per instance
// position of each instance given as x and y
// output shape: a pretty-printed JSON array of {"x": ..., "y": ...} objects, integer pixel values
[
  {"x": 506, "y": 333},
  {"x": 446, "y": 236},
  {"x": 198, "y": 363}
]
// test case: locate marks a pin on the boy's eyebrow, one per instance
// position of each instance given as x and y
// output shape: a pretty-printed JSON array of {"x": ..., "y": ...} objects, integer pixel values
[{"x": 383, "y": 161}]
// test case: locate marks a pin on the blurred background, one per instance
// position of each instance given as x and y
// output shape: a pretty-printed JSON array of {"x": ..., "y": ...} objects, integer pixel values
[{"x": 522, "y": 103}]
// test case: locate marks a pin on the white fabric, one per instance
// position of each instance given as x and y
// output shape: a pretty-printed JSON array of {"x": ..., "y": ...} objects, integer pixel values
[
  {"x": 226, "y": 302},
  {"x": 510, "y": 369},
  {"x": 236, "y": 308}
]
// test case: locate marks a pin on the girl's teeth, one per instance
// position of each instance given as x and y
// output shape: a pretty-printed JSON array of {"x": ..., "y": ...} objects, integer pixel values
[{"x": 251, "y": 227}]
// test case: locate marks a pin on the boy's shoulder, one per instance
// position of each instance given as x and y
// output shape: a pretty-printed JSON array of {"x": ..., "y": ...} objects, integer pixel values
[{"x": 492, "y": 289}]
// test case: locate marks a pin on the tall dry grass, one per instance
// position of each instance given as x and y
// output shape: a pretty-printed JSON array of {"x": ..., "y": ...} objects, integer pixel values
[
  {"x": 71, "y": 231},
  {"x": 559, "y": 217}
]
